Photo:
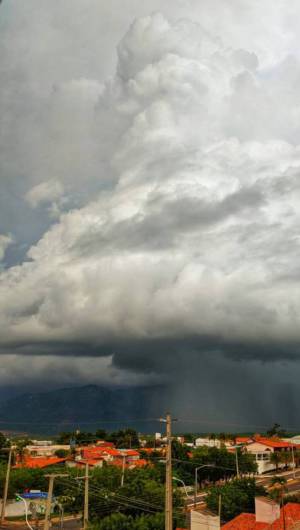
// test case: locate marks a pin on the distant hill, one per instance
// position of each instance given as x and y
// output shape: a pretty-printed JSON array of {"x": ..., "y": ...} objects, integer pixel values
[{"x": 88, "y": 407}]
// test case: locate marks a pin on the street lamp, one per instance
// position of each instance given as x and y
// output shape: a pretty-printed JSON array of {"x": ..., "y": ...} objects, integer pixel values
[
  {"x": 196, "y": 480},
  {"x": 26, "y": 511},
  {"x": 179, "y": 480}
]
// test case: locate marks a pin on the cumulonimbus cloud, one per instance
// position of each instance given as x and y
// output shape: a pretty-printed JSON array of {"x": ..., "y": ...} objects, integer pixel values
[{"x": 195, "y": 233}]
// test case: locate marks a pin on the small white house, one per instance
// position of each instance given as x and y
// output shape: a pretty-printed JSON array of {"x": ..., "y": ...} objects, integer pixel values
[{"x": 263, "y": 448}]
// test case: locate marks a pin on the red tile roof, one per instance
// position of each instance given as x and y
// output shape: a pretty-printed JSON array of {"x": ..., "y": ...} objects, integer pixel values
[
  {"x": 90, "y": 461},
  {"x": 140, "y": 463},
  {"x": 40, "y": 462},
  {"x": 247, "y": 521},
  {"x": 91, "y": 452},
  {"x": 291, "y": 516},
  {"x": 276, "y": 443},
  {"x": 131, "y": 452},
  {"x": 243, "y": 439}
]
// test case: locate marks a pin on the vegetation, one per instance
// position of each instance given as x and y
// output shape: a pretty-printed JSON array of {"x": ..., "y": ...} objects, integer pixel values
[
  {"x": 119, "y": 521},
  {"x": 139, "y": 503},
  {"x": 126, "y": 438},
  {"x": 276, "y": 431},
  {"x": 3, "y": 445},
  {"x": 217, "y": 463},
  {"x": 21, "y": 479},
  {"x": 236, "y": 497},
  {"x": 61, "y": 453},
  {"x": 278, "y": 488}
]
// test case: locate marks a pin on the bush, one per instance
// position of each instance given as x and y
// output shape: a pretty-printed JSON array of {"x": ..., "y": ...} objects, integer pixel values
[{"x": 236, "y": 497}]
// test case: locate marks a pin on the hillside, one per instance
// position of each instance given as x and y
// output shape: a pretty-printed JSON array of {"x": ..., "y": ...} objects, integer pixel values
[{"x": 87, "y": 407}]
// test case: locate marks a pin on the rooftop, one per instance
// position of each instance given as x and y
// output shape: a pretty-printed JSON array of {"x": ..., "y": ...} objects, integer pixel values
[{"x": 289, "y": 516}]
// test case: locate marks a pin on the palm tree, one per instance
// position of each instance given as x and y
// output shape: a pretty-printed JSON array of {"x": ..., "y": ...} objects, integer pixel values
[
  {"x": 278, "y": 488},
  {"x": 21, "y": 451},
  {"x": 212, "y": 436},
  {"x": 287, "y": 458},
  {"x": 276, "y": 459}
]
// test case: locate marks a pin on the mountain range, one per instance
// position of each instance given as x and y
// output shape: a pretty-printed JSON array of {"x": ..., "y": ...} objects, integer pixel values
[{"x": 86, "y": 408}]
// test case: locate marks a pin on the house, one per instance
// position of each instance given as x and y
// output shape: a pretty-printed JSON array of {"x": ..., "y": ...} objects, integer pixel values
[
  {"x": 92, "y": 462},
  {"x": 131, "y": 455},
  {"x": 103, "y": 443},
  {"x": 212, "y": 442},
  {"x": 243, "y": 440},
  {"x": 38, "y": 462},
  {"x": 262, "y": 449},
  {"x": 44, "y": 449},
  {"x": 268, "y": 515},
  {"x": 208, "y": 442},
  {"x": 294, "y": 440},
  {"x": 97, "y": 455}
]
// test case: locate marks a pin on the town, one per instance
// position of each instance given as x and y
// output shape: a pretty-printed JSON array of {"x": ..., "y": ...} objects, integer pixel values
[{"x": 127, "y": 480}]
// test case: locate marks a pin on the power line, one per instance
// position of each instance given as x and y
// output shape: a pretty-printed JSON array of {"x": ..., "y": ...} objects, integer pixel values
[{"x": 109, "y": 496}]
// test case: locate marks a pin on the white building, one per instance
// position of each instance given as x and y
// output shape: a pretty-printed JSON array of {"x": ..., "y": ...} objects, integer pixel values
[
  {"x": 211, "y": 442},
  {"x": 45, "y": 449},
  {"x": 263, "y": 448}
]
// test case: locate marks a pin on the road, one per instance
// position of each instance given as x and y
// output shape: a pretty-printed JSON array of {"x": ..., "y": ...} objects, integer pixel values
[
  {"x": 293, "y": 486},
  {"x": 69, "y": 524}
]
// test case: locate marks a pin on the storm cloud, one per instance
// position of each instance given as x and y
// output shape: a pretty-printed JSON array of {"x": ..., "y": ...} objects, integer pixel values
[{"x": 151, "y": 196}]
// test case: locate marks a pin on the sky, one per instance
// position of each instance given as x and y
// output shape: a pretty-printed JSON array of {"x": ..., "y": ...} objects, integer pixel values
[{"x": 150, "y": 199}]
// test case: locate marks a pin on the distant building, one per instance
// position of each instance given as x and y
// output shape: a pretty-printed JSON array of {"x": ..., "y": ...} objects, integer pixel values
[
  {"x": 38, "y": 462},
  {"x": 208, "y": 442},
  {"x": 97, "y": 455},
  {"x": 294, "y": 440},
  {"x": 262, "y": 449},
  {"x": 45, "y": 449}
]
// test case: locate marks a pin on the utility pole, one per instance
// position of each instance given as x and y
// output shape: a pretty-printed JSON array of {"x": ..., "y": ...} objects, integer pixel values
[
  {"x": 49, "y": 498},
  {"x": 86, "y": 498},
  {"x": 237, "y": 463},
  {"x": 123, "y": 470},
  {"x": 294, "y": 466},
  {"x": 169, "y": 488},
  {"x": 4, "y": 501}
]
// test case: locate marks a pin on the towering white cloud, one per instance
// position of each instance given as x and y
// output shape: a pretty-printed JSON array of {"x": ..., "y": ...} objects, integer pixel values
[
  {"x": 196, "y": 230},
  {"x": 176, "y": 187}
]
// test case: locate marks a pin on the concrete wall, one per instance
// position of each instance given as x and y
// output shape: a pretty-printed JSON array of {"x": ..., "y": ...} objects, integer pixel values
[{"x": 203, "y": 521}]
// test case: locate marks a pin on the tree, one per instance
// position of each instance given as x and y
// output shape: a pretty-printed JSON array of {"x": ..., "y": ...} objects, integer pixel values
[
  {"x": 286, "y": 458},
  {"x": 237, "y": 496},
  {"x": 3, "y": 441},
  {"x": 80, "y": 438},
  {"x": 22, "y": 479},
  {"x": 276, "y": 431},
  {"x": 276, "y": 459},
  {"x": 101, "y": 434},
  {"x": 120, "y": 521},
  {"x": 278, "y": 488},
  {"x": 213, "y": 437},
  {"x": 126, "y": 438},
  {"x": 61, "y": 453},
  {"x": 21, "y": 448}
]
